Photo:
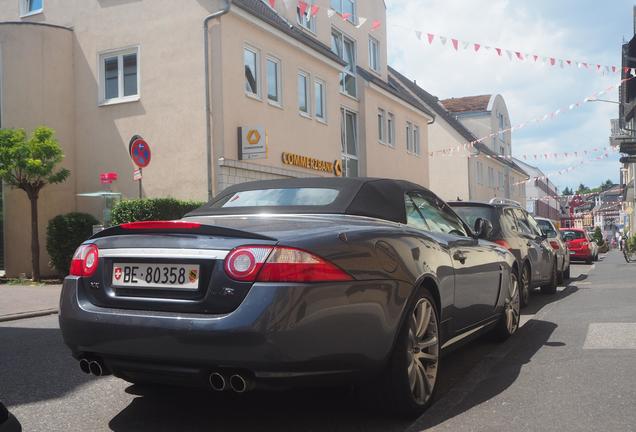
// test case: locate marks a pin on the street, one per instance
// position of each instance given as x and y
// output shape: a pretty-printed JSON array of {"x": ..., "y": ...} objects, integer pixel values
[{"x": 483, "y": 386}]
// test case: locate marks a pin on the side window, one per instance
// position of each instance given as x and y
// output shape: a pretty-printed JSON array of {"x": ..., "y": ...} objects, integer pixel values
[
  {"x": 509, "y": 220},
  {"x": 522, "y": 222},
  {"x": 438, "y": 219},
  {"x": 414, "y": 217},
  {"x": 534, "y": 226}
]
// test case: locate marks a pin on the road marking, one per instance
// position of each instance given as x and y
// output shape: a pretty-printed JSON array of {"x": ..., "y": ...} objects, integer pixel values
[{"x": 611, "y": 336}]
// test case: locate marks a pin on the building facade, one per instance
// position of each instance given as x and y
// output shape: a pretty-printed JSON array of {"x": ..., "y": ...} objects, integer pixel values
[
  {"x": 288, "y": 93},
  {"x": 542, "y": 196},
  {"x": 479, "y": 173}
]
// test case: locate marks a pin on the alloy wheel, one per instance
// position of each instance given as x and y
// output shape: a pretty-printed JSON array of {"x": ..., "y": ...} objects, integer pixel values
[
  {"x": 423, "y": 354},
  {"x": 512, "y": 306}
]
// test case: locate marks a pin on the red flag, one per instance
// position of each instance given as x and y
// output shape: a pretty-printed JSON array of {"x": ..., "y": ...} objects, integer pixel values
[
  {"x": 598, "y": 67},
  {"x": 584, "y": 65},
  {"x": 535, "y": 57},
  {"x": 272, "y": 3},
  {"x": 375, "y": 25},
  {"x": 614, "y": 69},
  {"x": 569, "y": 62},
  {"x": 302, "y": 7},
  {"x": 519, "y": 55},
  {"x": 430, "y": 37},
  {"x": 314, "y": 10},
  {"x": 455, "y": 43},
  {"x": 552, "y": 61},
  {"x": 626, "y": 69},
  {"x": 477, "y": 46},
  {"x": 498, "y": 51}
]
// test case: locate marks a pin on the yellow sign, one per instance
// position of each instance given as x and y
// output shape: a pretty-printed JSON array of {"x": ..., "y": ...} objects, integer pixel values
[
  {"x": 253, "y": 137},
  {"x": 334, "y": 168}
]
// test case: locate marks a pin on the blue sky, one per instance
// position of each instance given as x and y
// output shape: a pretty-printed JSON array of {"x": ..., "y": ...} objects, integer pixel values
[{"x": 580, "y": 30}]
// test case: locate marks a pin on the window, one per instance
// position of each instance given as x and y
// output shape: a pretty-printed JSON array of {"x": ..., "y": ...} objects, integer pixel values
[
  {"x": 319, "y": 99},
  {"x": 345, "y": 49},
  {"x": 31, "y": 7},
  {"x": 349, "y": 140},
  {"x": 502, "y": 150},
  {"x": 119, "y": 76},
  {"x": 278, "y": 198},
  {"x": 522, "y": 222},
  {"x": 479, "y": 168},
  {"x": 374, "y": 54},
  {"x": 390, "y": 130},
  {"x": 429, "y": 214},
  {"x": 491, "y": 177},
  {"x": 303, "y": 93},
  {"x": 346, "y": 8},
  {"x": 273, "y": 81},
  {"x": 501, "y": 181},
  {"x": 409, "y": 137},
  {"x": 306, "y": 19},
  {"x": 416, "y": 140},
  {"x": 381, "y": 122},
  {"x": 250, "y": 58},
  {"x": 502, "y": 126}
]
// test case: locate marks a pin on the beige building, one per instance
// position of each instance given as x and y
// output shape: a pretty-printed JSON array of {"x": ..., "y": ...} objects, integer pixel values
[
  {"x": 479, "y": 174},
  {"x": 286, "y": 95}
]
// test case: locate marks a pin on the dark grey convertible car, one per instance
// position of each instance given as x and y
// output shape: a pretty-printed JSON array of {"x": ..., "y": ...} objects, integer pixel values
[{"x": 287, "y": 283}]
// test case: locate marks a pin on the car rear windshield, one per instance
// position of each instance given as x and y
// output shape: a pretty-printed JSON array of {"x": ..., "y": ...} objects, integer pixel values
[
  {"x": 547, "y": 228},
  {"x": 572, "y": 235},
  {"x": 291, "y": 197},
  {"x": 471, "y": 213}
]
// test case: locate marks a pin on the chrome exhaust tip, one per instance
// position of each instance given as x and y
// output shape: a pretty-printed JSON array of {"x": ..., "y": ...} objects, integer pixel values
[
  {"x": 217, "y": 382},
  {"x": 238, "y": 383},
  {"x": 96, "y": 368},
  {"x": 85, "y": 366}
]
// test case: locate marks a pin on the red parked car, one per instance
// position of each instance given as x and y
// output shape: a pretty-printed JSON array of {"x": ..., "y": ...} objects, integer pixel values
[{"x": 580, "y": 245}]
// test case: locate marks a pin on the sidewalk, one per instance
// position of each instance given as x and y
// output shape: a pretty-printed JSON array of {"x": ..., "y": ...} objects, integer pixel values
[{"x": 18, "y": 301}]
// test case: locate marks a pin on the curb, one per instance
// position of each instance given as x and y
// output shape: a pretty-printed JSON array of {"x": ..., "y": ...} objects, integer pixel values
[{"x": 32, "y": 314}]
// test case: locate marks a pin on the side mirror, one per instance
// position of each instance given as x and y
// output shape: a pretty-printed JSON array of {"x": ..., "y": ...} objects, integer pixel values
[{"x": 483, "y": 228}]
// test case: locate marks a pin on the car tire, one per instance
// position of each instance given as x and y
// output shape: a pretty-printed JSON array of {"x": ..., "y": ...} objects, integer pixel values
[
  {"x": 509, "y": 322},
  {"x": 408, "y": 384},
  {"x": 561, "y": 275},
  {"x": 589, "y": 260},
  {"x": 551, "y": 287},
  {"x": 524, "y": 286}
]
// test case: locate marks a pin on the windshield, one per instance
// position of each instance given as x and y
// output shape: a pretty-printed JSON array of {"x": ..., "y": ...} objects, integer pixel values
[
  {"x": 278, "y": 198},
  {"x": 572, "y": 235},
  {"x": 470, "y": 214},
  {"x": 547, "y": 228}
]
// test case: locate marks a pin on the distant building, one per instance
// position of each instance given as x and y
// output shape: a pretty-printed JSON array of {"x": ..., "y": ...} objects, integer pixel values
[{"x": 542, "y": 196}]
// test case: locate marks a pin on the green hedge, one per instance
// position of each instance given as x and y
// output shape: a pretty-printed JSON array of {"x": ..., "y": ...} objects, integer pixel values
[
  {"x": 151, "y": 209},
  {"x": 64, "y": 234}
]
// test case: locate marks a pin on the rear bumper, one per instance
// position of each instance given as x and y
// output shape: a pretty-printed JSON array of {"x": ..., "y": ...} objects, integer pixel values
[
  {"x": 581, "y": 254},
  {"x": 279, "y": 332}
]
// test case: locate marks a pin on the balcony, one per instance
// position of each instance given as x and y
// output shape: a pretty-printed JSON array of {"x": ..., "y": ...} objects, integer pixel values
[{"x": 626, "y": 144}]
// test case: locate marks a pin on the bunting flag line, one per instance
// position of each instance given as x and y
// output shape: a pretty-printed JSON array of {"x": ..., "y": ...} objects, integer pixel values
[
  {"x": 546, "y": 117},
  {"x": 565, "y": 170},
  {"x": 310, "y": 9},
  {"x": 523, "y": 56}
]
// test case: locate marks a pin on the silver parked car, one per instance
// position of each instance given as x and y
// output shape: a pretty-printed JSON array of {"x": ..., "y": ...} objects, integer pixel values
[{"x": 559, "y": 245}]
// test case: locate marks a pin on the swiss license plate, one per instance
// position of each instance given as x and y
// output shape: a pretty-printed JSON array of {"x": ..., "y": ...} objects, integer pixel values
[{"x": 167, "y": 276}]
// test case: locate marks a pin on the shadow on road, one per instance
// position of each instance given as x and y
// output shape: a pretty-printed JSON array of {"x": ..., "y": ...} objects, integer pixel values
[
  {"x": 164, "y": 409},
  {"x": 493, "y": 375},
  {"x": 538, "y": 301}
]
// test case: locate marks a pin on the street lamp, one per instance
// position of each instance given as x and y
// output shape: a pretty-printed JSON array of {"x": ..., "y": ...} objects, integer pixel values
[{"x": 604, "y": 100}]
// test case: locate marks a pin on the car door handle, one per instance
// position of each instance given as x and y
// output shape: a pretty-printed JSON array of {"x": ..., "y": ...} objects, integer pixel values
[{"x": 459, "y": 256}]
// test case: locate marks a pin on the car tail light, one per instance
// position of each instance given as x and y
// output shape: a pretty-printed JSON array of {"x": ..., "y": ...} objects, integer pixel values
[
  {"x": 280, "y": 264},
  {"x": 503, "y": 244},
  {"x": 85, "y": 261},
  {"x": 160, "y": 225},
  {"x": 555, "y": 245}
]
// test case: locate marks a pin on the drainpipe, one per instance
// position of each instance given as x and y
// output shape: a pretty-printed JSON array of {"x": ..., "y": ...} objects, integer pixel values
[{"x": 208, "y": 108}]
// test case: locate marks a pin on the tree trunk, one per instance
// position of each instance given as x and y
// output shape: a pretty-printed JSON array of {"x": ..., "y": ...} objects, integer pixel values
[{"x": 35, "y": 240}]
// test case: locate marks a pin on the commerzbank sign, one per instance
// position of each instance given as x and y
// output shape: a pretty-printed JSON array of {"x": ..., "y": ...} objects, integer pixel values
[{"x": 307, "y": 162}]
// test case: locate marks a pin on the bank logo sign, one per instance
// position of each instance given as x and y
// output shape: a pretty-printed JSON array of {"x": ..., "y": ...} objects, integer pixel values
[
  {"x": 334, "y": 167},
  {"x": 252, "y": 142}
]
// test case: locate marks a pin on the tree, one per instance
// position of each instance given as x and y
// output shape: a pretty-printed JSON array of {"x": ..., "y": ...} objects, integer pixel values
[
  {"x": 598, "y": 236},
  {"x": 567, "y": 192},
  {"x": 30, "y": 164},
  {"x": 607, "y": 185},
  {"x": 583, "y": 189}
]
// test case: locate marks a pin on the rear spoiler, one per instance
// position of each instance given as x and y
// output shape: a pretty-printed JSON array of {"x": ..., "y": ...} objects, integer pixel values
[{"x": 176, "y": 227}]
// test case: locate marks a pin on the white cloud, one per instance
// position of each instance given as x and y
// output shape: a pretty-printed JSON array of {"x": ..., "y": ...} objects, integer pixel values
[{"x": 530, "y": 89}]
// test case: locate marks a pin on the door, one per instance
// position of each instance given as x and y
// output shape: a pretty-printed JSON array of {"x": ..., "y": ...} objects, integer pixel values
[{"x": 477, "y": 266}]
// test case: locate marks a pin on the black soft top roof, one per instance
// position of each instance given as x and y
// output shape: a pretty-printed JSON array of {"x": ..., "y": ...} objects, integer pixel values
[{"x": 371, "y": 197}]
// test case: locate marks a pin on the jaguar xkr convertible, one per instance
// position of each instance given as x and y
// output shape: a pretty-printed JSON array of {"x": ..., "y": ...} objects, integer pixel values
[{"x": 289, "y": 283}]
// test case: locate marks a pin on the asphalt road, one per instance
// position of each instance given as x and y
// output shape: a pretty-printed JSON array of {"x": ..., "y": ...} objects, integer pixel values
[{"x": 43, "y": 387}]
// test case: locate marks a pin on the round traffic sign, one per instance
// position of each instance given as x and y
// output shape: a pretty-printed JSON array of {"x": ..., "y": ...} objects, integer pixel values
[{"x": 140, "y": 153}]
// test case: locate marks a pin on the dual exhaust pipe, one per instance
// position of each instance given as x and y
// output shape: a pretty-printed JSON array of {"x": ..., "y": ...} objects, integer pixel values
[
  {"x": 235, "y": 382},
  {"x": 93, "y": 367}
]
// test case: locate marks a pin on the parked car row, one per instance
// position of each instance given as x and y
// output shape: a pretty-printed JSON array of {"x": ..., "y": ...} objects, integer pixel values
[{"x": 306, "y": 282}]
